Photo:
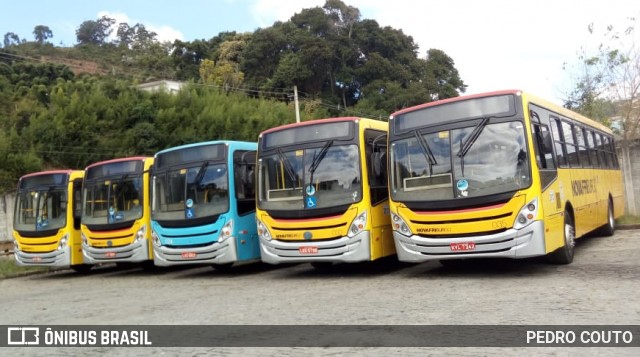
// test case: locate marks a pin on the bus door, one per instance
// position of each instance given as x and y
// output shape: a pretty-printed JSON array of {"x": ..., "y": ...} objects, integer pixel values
[
  {"x": 551, "y": 188},
  {"x": 244, "y": 171},
  {"x": 376, "y": 162}
]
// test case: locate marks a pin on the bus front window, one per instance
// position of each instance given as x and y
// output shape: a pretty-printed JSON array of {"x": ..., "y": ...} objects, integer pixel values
[
  {"x": 447, "y": 165},
  {"x": 312, "y": 178},
  {"x": 195, "y": 192},
  {"x": 40, "y": 210},
  {"x": 112, "y": 201}
]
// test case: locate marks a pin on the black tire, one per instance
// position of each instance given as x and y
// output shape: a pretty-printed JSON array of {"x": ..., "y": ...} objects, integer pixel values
[
  {"x": 609, "y": 228},
  {"x": 564, "y": 254},
  {"x": 223, "y": 268},
  {"x": 452, "y": 263},
  {"x": 322, "y": 266},
  {"x": 81, "y": 268}
]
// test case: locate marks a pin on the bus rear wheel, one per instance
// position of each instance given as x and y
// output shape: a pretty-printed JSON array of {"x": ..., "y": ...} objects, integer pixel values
[
  {"x": 609, "y": 228},
  {"x": 564, "y": 254}
]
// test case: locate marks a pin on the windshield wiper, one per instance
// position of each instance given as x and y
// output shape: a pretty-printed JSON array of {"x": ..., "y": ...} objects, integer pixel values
[
  {"x": 467, "y": 142},
  {"x": 287, "y": 165},
  {"x": 426, "y": 150},
  {"x": 201, "y": 171},
  {"x": 317, "y": 159}
]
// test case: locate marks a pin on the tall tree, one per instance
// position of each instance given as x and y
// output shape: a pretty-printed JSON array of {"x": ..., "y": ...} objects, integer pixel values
[
  {"x": 95, "y": 31},
  {"x": 612, "y": 74},
  {"x": 11, "y": 38},
  {"x": 42, "y": 33}
]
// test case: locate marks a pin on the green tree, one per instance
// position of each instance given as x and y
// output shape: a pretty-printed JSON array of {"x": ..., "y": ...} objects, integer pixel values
[
  {"x": 610, "y": 77},
  {"x": 11, "y": 39},
  {"x": 42, "y": 33},
  {"x": 95, "y": 32}
]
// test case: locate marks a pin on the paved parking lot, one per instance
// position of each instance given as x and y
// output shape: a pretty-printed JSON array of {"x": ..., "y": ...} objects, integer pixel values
[{"x": 600, "y": 287}]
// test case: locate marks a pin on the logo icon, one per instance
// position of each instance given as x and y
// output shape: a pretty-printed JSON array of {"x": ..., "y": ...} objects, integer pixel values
[
  {"x": 24, "y": 336},
  {"x": 310, "y": 190},
  {"x": 462, "y": 185},
  {"x": 307, "y": 235}
]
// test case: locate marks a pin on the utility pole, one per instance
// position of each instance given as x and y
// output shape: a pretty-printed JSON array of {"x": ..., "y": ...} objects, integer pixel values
[{"x": 295, "y": 100}]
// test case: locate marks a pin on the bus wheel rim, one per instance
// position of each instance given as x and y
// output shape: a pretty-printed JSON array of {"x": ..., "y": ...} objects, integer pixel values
[{"x": 569, "y": 236}]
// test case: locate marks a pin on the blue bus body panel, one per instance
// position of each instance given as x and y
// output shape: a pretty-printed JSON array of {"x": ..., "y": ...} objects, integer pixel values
[{"x": 244, "y": 227}]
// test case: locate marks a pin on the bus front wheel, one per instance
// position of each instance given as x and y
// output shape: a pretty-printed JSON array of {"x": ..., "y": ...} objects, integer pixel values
[
  {"x": 564, "y": 254},
  {"x": 81, "y": 268}
]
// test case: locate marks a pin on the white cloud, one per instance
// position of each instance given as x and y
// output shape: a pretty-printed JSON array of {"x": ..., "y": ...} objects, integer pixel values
[
  {"x": 266, "y": 12},
  {"x": 164, "y": 32}
]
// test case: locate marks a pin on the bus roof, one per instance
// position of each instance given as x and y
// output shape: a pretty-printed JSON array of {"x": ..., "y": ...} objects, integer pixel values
[
  {"x": 132, "y": 158},
  {"x": 248, "y": 144},
  {"x": 526, "y": 96},
  {"x": 49, "y": 172},
  {"x": 455, "y": 99},
  {"x": 311, "y": 122}
]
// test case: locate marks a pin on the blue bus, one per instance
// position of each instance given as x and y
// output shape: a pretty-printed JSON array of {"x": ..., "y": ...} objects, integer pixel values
[{"x": 203, "y": 204}]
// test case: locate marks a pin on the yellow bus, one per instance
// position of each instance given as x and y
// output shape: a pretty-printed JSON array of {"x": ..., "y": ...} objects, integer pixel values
[
  {"x": 115, "y": 211},
  {"x": 500, "y": 174},
  {"x": 46, "y": 221},
  {"x": 322, "y": 192}
]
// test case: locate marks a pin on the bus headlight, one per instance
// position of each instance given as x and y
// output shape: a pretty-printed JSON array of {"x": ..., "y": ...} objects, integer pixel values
[
  {"x": 398, "y": 225},
  {"x": 226, "y": 231},
  {"x": 263, "y": 232},
  {"x": 527, "y": 214},
  {"x": 63, "y": 242},
  {"x": 155, "y": 239},
  {"x": 85, "y": 241},
  {"x": 16, "y": 247},
  {"x": 141, "y": 234},
  {"x": 358, "y": 224}
]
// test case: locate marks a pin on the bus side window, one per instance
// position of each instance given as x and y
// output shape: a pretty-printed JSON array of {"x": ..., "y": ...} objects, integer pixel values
[
  {"x": 543, "y": 147},
  {"x": 561, "y": 150}
]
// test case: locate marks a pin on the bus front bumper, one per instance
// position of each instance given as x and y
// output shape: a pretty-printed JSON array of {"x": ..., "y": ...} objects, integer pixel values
[
  {"x": 215, "y": 253},
  {"x": 134, "y": 252},
  {"x": 57, "y": 258},
  {"x": 341, "y": 250},
  {"x": 523, "y": 243}
]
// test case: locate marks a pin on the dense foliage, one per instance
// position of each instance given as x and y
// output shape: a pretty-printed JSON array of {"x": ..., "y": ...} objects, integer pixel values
[{"x": 71, "y": 106}]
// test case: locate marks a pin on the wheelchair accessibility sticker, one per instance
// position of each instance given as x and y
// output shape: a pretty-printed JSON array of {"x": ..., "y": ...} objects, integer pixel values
[{"x": 311, "y": 202}]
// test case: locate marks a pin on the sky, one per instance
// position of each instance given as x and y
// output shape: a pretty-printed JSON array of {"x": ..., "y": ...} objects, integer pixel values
[{"x": 495, "y": 44}]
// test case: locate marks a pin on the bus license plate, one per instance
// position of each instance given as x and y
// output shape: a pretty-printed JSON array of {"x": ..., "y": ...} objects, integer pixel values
[
  {"x": 189, "y": 255},
  {"x": 36, "y": 259},
  {"x": 110, "y": 254},
  {"x": 308, "y": 250},
  {"x": 463, "y": 246}
]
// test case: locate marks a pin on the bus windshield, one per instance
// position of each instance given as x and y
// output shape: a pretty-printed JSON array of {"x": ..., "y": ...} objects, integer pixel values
[
  {"x": 193, "y": 192},
  {"x": 476, "y": 160},
  {"x": 40, "y": 209},
  {"x": 319, "y": 177},
  {"x": 112, "y": 200}
]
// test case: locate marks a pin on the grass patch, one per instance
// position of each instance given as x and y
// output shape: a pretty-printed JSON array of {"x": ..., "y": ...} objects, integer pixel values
[
  {"x": 628, "y": 219},
  {"x": 9, "y": 268}
]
